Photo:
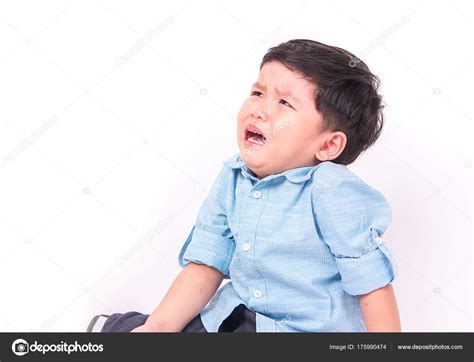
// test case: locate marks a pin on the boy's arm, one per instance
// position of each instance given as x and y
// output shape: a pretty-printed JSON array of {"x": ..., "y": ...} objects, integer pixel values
[
  {"x": 190, "y": 292},
  {"x": 380, "y": 312}
]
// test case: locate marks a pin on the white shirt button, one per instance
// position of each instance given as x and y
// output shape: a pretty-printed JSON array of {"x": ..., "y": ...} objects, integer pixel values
[
  {"x": 257, "y": 293},
  {"x": 257, "y": 194},
  {"x": 246, "y": 247}
]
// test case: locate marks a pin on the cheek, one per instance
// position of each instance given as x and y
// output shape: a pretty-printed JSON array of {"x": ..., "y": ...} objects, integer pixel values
[
  {"x": 292, "y": 133},
  {"x": 244, "y": 110},
  {"x": 241, "y": 117},
  {"x": 285, "y": 128}
]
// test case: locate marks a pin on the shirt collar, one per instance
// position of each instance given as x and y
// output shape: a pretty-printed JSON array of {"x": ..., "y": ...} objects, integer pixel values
[{"x": 295, "y": 175}]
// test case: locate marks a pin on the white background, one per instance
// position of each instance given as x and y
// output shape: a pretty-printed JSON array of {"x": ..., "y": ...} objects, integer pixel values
[{"x": 115, "y": 118}]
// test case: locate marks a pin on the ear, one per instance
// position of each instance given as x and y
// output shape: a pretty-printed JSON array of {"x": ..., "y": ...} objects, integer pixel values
[{"x": 332, "y": 146}]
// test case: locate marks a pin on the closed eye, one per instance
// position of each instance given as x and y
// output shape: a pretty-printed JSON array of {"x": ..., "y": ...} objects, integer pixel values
[{"x": 282, "y": 101}]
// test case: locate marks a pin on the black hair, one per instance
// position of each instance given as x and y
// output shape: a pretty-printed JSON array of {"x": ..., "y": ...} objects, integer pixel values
[{"x": 346, "y": 91}]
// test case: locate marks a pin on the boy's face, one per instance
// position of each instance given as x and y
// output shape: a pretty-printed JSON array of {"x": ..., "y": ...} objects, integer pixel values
[{"x": 281, "y": 106}]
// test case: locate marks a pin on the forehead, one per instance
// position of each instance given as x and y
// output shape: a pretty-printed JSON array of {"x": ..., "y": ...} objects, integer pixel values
[{"x": 282, "y": 80}]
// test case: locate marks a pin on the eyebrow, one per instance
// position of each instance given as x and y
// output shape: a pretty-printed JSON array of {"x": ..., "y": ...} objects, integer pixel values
[{"x": 280, "y": 92}]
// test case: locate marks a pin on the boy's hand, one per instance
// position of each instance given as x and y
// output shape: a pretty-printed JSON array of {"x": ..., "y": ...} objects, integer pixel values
[{"x": 145, "y": 328}]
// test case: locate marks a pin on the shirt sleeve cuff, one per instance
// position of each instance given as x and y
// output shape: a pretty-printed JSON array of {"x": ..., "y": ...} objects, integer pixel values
[
  {"x": 203, "y": 247},
  {"x": 368, "y": 272}
]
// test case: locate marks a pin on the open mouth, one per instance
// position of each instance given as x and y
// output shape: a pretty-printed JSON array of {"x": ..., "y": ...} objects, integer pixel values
[{"x": 255, "y": 136}]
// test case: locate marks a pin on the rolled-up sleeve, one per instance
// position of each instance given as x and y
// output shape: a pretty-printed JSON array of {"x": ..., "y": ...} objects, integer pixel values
[
  {"x": 211, "y": 241},
  {"x": 351, "y": 218}
]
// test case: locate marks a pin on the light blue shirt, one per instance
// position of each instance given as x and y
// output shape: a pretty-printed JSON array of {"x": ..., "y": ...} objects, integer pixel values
[{"x": 298, "y": 247}]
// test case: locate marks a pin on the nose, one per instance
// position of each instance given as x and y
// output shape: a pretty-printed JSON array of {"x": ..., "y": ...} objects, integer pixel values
[{"x": 259, "y": 113}]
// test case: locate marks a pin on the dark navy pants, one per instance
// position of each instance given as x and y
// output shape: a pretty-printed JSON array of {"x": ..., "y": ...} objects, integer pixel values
[{"x": 241, "y": 320}]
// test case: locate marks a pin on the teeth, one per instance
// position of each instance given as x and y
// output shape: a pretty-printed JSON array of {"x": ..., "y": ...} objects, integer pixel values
[{"x": 256, "y": 140}]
